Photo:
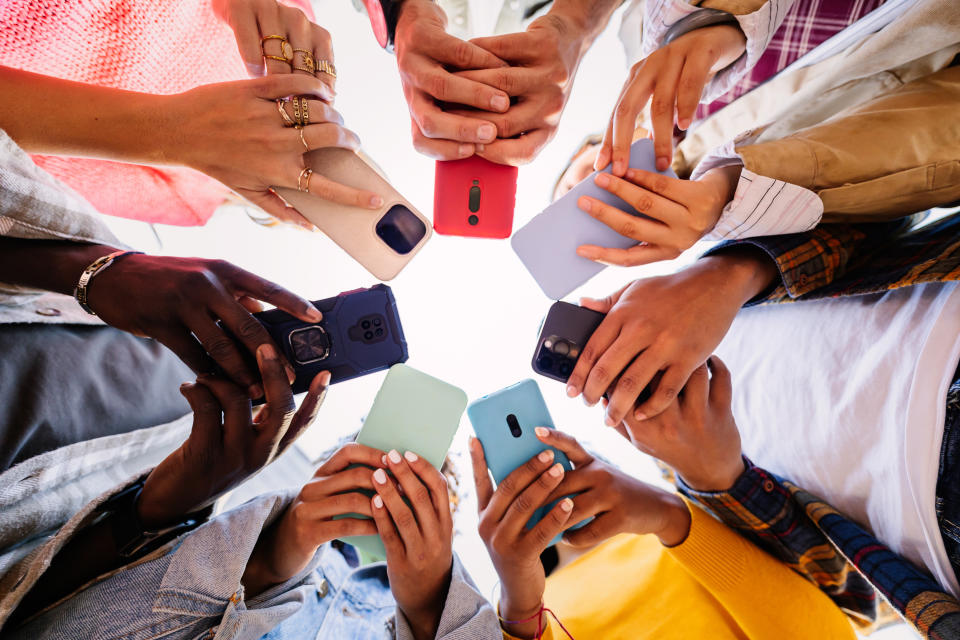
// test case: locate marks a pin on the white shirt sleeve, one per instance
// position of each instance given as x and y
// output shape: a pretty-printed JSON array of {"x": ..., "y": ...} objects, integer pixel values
[
  {"x": 758, "y": 27},
  {"x": 761, "y": 206}
]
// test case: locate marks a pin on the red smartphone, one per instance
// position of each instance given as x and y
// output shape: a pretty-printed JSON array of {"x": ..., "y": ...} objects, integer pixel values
[{"x": 474, "y": 197}]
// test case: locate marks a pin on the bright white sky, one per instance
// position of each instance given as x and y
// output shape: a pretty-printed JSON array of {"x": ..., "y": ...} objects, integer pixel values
[{"x": 469, "y": 309}]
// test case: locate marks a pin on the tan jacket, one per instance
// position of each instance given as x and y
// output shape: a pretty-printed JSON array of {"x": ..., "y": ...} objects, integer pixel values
[{"x": 873, "y": 130}]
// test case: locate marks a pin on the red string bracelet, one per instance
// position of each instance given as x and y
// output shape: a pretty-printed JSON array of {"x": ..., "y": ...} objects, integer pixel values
[{"x": 539, "y": 617}]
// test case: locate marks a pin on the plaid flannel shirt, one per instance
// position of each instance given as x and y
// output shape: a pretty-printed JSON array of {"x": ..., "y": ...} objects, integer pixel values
[{"x": 848, "y": 564}]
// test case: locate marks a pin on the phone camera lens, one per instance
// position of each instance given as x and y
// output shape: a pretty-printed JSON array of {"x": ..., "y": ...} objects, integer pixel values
[
  {"x": 368, "y": 335},
  {"x": 545, "y": 363},
  {"x": 365, "y": 324},
  {"x": 379, "y": 333},
  {"x": 565, "y": 368},
  {"x": 514, "y": 426},
  {"x": 561, "y": 348},
  {"x": 377, "y": 322},
  {"x": 473, "y": 220}
]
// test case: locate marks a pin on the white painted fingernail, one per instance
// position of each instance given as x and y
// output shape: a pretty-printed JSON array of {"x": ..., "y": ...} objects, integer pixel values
[
  {"x": 566, "y": 504},
  {"x": 394, "y": 456},
  {"x": 410, "y": 456},
  {"x": 380, "y": 477},
  {"x": 543, "y": 432},
  {"x": 376, "y": 202},
  {"x": 546, "y": 455},
  {"x": 378, "y": 502},
  {"x": 556, "y": 470}
]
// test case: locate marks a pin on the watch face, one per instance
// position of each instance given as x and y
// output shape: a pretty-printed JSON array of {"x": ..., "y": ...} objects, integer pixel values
[{"x": 378, "y": 21}]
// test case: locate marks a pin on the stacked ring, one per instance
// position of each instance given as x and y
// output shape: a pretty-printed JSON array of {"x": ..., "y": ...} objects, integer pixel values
[
  {"x": 327, "y": 67},
  {"x": 286, "y": 49},
  {"x": 304, "y": 111},
  {"x": 303, "y": 139},
  {"x": 287, "y": 120},
  {"x": 309, "y": 63},
  {"x": 303, "y": 181},
  {"x": 296, "y": 112}
]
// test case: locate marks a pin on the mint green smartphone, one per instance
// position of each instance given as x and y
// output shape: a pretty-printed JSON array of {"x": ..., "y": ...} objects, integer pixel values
[{"x": 412, "y": 412}]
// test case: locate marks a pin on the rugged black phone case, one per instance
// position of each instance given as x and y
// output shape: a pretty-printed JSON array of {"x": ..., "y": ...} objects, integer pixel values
[{"x": 360, "y": 333}]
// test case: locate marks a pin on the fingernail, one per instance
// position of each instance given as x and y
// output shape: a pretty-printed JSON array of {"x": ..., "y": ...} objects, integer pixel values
[
  {"x": 313, "y": 314},
  {"x": 556, "y": 470},
  {"x": 380, "y": 477},
  {"x": 267, "y": 352},
  {"x": 585, "y": 204},
  {"x": 566, "y": 504},
  {"x": 545, "y": 456},
  {"x": 394, "y": 456},
  {"x": 383, "y": 460},
  {"x": 410, "y": 456},
  {"x": 683, "y": 124},
  {"x": 486, "y": 132},
  {"x": 499, "y": 103},
  {"x": 255, "y": 70},
  {"x": 474, "y": 442},
  {"x": 619, "y": 167},
  {"x": 378, "y": 501},
  {"x": 376, "y": 202},
  {"x": 662, "y": 163},
  {"x": 572, "y": 390},
  {"x": 479, "y": 147},
  {"x": 291, "y": 374},
  {"x": 256, "y": 391},
  {"x": 465, "y": 150},
  {"x": 543, "y": 432},
  {"x": 639, "y": 415},
  {"x": 602, "y": 180}
]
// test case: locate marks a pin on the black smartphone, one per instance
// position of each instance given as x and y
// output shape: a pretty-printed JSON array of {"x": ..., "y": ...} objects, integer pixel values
[
  {"x": 564, "y": 333},
  {"x": 360, "y": 333}
]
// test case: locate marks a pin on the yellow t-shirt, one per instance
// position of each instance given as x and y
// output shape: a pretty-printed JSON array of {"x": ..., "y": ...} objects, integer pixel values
[{"x": 715, "y": 585}]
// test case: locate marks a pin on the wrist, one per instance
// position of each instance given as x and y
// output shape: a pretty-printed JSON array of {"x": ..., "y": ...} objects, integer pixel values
[
  {"x": 720, "y": 478},
  {"x": 744, "y": 271},
  {"x": 585, "y": 19},
  {"x": 520, "y": 618},
  {"x": 675, "y": 516}
]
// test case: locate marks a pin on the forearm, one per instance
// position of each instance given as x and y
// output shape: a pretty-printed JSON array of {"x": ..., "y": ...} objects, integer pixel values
[
  {"x": 50, "y": 265},
  {"x": 589, "y": 17},
  {"x": 60, "y": 117},
  {"x": 746, "y": 271}
]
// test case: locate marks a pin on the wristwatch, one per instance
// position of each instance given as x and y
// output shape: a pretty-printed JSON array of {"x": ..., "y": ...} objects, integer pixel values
[
  {"x": 132, "y": 539},
  {"x": 698, "y": 20},
  {"x": 383, "y": 16}
]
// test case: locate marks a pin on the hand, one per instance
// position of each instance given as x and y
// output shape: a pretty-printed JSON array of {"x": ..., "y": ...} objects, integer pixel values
[
  {"x": 178, "y": 301},
  {"x": 697, "y": 434},
  {"x": 252, "y": 20},
  {"x": 287, "y": 548},
  {"x": 544, "y": 61},
  {"x": 424, "y": 52},
  {"x": 418, "y": 538},
  {"x": 667, "y": 324},
  {"x": 514, "y": 549},
  {"x": 619, "y": 503},
  {"x": 680, "y": 211},
  {"x": 674, "y": 76},
  {"x": 227, "y": 443},
  {"x": 234, "y": 133}
]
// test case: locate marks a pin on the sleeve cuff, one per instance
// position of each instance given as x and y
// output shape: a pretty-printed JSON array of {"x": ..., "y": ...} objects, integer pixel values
[
  {"x": 755, "y": 501},
  {"x": 764, "y": 206}
]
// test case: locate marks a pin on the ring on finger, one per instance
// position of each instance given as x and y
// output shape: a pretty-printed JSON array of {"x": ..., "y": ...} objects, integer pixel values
[
  {"x": 303, "y": 181},
  {"x": 302, "y": 139},
  {"x": 325, "y": 66},
  {"x": 304, "y": 111},
  {"x": 286, "y": 49},
  {"x": 296, "y": 112},
  {"x": 308, "y": 62},
  {"x": 287, "y": 120}
]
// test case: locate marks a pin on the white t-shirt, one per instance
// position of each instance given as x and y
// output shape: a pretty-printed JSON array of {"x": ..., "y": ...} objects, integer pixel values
[{"x": 847, "y": 398}]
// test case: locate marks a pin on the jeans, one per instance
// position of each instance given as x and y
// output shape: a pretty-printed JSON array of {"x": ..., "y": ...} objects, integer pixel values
[{"x": 948, "y": 479}]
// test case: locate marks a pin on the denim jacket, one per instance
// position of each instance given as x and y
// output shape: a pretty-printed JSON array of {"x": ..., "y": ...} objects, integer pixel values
[{"x": 192, "y": 589}]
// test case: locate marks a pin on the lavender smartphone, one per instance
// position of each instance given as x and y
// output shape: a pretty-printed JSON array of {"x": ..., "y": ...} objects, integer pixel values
[{"x": 547, "y": 245}]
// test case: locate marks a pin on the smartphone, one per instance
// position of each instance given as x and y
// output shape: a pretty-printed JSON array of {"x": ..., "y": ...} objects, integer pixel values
[
  {"x": 564, "y": 333},
  {"x": 474, "y": 197},
  {"x": 547, "y": 245},
  {"x": 382, "y": 240},
  {"x": 411, "y": 412},
  {"x": 504, "y": 422}
]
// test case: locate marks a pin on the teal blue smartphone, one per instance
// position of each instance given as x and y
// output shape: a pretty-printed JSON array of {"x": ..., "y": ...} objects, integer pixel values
[
  {"x": 411, "y": 412},
  {"x": 504, "y": 422}
]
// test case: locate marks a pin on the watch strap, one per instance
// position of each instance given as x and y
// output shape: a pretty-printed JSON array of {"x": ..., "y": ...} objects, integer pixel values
[
  {"x": 80, "y": 292},
  {"x": 698, "y": 20}
]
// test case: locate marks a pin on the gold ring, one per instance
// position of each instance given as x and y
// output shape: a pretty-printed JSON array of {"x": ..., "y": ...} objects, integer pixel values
[
  {"x": 304, "y": 175},
  {"x": 327, "y": 67},
  {"x": 309, "y": 63},
  {"x": 287, "y": 120},
  {"x": 302, "y": 139},
  {"x": 296, "y": 112},
  {"x": 304, "y": 110},
  {"x": 286, "y": 49}
]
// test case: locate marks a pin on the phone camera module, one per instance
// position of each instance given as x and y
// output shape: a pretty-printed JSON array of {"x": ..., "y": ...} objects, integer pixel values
[
  {"x": 310, "y": 344},
  {"x": 514, "y": 426}
]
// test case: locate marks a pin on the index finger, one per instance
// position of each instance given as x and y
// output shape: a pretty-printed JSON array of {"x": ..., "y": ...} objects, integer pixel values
[
  {"x": 566, "y": 443},
  {"x": 481, "y": 475},
  {"x": 721, "y": 386},
  {"x": 353, "y": 453},
  {"x": 460, "y": 54},
  {"x": 514, "y": 47},
  {"x": 244, "y": 25},
  {"x": 258, "y": 288}
]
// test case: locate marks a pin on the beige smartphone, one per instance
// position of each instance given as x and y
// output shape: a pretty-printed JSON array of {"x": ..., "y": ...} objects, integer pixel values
[{"x": 382, "y": 240}]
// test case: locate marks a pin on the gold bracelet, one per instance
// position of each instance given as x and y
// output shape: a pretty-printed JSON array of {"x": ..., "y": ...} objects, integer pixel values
[
  {"x": 325, "y": 66},
  {"x": 80, "y": 292}
]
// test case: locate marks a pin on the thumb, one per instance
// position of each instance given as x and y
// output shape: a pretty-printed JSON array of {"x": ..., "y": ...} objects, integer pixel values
[
  {"x": 207, "y": 430},
  {"x": 603, "y": 305}
]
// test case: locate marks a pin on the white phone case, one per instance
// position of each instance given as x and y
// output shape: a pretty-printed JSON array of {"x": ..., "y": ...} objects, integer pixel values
[{"x": 354, "y": 229}]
